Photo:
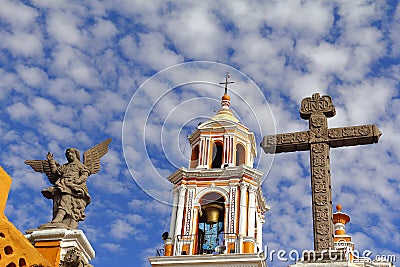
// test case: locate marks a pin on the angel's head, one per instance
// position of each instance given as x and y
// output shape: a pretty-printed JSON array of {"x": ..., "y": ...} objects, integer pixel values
[{"x": 72, "y": 154}]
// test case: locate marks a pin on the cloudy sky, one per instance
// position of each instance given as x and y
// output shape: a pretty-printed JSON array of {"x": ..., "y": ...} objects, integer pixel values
[{"x": 145, "y": 73}]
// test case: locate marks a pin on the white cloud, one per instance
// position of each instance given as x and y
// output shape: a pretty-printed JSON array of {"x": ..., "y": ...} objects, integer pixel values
[
  {"x": 113, "y": 248},
  {"x": 195, "y": 32},
  {"x": 63, "y": 27},
  {"x": 43, "y": 107},
  {"x": 32, "y": 76},
  {"x": 394, "y": 34},
  {"x": 66, "y": 91},
  {"x": 359, "y": 98},
  {"x": 72, "y": 63},
  {"x": 308, "y": 19},
  {"x": 151, "y": 50},
  {"x": 18, "y": 14},
  {"x": 22, "y": 43},
  {"x": 104, "y": 29},
  {"x": 325, "y": 58},
  {"x": 19, "y": 111},
  {"x": 121, "y": 230},
  {"x": 55, "y": 131}
]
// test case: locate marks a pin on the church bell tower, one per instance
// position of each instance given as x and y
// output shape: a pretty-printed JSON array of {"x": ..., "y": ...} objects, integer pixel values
[{"x": 218, "y": 209}]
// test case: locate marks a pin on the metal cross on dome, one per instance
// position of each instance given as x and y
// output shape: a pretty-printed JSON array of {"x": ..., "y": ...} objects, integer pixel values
[
  {"x": 318, "y": 140},
  {"x": 227, "y": 76}
]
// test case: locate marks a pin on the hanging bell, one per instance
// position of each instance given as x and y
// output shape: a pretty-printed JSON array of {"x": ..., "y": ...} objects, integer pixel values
[{"x": 212, "y": 212}]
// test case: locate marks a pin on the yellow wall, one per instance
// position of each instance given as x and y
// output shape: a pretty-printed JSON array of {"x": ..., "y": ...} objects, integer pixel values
[{"x": 15, "y": 249}]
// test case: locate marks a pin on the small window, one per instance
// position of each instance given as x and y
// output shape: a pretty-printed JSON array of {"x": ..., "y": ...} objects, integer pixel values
[
  {"x": 240, "y": 154},
  {"x": 194, "y": 159},
  {"x": 217, "y": 155}
]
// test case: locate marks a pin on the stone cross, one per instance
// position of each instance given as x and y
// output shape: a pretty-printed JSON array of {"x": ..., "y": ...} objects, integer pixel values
[{"x": 318, "y": 140}]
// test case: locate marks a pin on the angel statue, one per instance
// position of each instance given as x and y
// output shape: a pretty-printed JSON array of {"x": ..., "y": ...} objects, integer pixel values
[{"x": 69, "y": 191}]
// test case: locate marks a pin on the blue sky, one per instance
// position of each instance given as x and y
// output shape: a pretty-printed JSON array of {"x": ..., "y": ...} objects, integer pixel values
[{"x": 74, "y": 73}]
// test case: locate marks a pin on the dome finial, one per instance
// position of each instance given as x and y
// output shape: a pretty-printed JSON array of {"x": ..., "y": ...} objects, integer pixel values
[
  {"x": 339, "y": 207},
  {"x": 339, "y": 220},
  {"x": 226, "y": 100}
]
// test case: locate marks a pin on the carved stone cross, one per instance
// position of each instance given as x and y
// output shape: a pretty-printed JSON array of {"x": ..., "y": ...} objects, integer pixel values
[{"x": 318, "y": 140}]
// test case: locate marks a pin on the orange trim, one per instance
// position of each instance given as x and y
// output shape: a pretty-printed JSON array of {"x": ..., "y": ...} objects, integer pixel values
[
  {"x": 231, "y": 246},
  {"x": 340, "y": 232},
  {"x": 168, "y": 249},
  {"x": 186, "y": 248},
  {"x": 195, "y": 229},
  {"x": 248, "y": 247},
  {"x": 50, "y": 250}
]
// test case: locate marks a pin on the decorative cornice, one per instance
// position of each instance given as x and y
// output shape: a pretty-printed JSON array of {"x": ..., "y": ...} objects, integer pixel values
[
  {"x": 60, "y": 234},
  {"x": 220, "y": 174}
]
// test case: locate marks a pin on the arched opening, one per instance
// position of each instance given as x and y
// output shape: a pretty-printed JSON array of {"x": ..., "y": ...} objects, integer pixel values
[
  {"x": 21, "y": 262},
  {"x": 194, "y": 159},
  {"x": 211, "y": 223},
  {"x": 240, "y": 154},
  {"x": 217, "y": 153}
]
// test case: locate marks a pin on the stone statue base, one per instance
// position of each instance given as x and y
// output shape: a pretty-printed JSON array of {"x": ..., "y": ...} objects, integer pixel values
[
  {"x": 51, "y": 225},
  {"x": 68, "y": 247}
]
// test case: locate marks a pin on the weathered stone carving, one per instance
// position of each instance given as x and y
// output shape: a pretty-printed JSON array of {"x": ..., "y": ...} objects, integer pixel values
[
  {"x": 317, "y": 105},
  {"x": 74, "y": 258},
  {"x": 323, "y": 228},
  {"x": 318, "y": 140},
  {"x": 322, "y": 214},
  {"x": 69, "y": 191},
  {"x": 323, "y": 243},
  {"x": 321, "y": 200}
]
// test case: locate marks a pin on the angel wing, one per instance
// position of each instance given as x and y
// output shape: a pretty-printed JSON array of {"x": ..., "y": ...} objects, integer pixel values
[
  {"x": 91, "y": 157},
  {"x": 42, "y": 166}
]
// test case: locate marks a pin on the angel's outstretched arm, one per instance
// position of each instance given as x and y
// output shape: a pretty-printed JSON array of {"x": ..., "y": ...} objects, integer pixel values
[{"x": 52, "y": 162}]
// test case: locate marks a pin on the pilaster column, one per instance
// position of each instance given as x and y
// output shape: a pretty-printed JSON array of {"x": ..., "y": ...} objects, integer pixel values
[
  {"x": 204, "y": 152},
  {"x": 259, "y": 230},
  {"x": 228, "y": 150},
  {"x": 194, "y": 231},
  {"x": 243, "y": 209},
  {"x": 233, "y": 195},
  {"x": 195, "y": 220},
  {"x": 179, "y": 214},
  {"x": 252, "y": 210},
  {"x": 175, "y": 192},
  {"x": 189, "y": 210},
  {"x": 248, "y": 154}
]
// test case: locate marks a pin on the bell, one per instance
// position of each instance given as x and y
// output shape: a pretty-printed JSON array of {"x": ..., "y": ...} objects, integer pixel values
[{"x": 212, "y": 212}]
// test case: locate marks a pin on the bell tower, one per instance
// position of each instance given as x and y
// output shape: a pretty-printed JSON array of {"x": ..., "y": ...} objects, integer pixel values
[{"x": 218, "y": 209}]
